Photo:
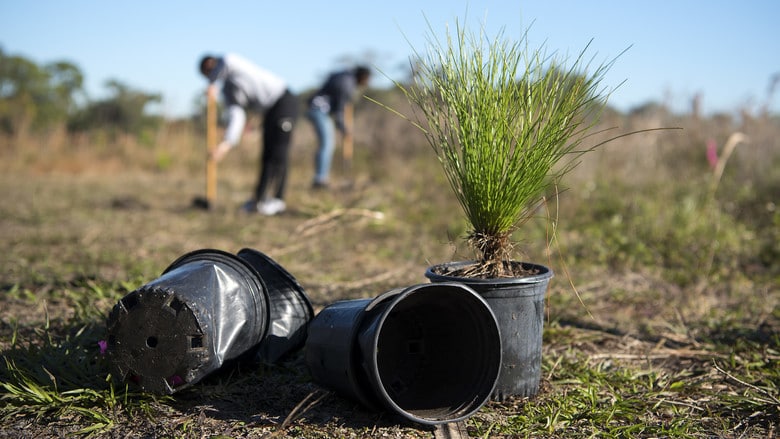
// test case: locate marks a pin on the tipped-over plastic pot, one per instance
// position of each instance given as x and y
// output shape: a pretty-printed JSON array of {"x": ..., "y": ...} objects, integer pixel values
[
  {"x": 430, "y": 353},
  {"x": 208, "y": 307}
]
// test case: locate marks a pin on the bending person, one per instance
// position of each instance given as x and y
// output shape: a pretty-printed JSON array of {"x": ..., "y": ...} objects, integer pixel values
[{"x": 247, "y": 87}]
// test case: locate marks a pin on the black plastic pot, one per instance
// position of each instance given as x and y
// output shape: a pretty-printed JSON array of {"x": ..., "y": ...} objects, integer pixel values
[
  {"x": 430, "y": 353},
  {"x": 206, "y": 308},
  {"x": 518, "y": 304},
  {"x": 290, "y": 308}
]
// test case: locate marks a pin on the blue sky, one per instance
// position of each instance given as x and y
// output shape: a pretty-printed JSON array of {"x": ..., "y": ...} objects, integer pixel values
[{"x": 725, "y": 50}]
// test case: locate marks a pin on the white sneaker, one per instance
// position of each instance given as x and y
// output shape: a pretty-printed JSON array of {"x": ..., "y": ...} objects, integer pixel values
[{"x": 271, "y": 207}]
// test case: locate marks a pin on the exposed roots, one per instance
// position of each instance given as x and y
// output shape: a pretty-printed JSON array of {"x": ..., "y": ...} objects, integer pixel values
[
  {"x": 494, "y": 259},
  {"x": 495, "y": 252}
]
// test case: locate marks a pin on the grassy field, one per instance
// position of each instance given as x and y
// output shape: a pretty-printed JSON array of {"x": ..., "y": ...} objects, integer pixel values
[{"x": 663, "y": 319}]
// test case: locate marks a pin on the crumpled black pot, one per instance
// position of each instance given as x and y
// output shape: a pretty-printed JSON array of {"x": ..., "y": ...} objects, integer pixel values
[{"x": 208, "y": 307}]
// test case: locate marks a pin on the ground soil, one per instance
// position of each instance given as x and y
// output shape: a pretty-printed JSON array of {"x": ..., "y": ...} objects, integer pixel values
[{"x": 68, "y": 231}]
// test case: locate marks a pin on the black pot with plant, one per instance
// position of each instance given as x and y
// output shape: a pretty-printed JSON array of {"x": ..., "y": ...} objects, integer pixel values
[{"x": 506, "y": 123}]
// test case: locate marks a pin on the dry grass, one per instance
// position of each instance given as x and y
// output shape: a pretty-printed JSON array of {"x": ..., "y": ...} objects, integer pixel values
[{"x": 672, "y": 330}]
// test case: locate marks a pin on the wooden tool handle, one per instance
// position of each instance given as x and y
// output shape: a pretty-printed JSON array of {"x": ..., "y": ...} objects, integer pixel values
[
  {"x": 211, "y": 145},
  {"x": 348, "y": 132}
]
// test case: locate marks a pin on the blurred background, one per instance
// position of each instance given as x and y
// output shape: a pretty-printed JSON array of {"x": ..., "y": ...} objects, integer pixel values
[
  {"x": 718, "y": 52},
  {"x": 664, "y": 240}
]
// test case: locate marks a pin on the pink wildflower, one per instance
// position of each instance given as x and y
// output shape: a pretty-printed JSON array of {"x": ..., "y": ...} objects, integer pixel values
[
  {"x": 103, "y": 346},
  {"x": 712, "y": 153}
]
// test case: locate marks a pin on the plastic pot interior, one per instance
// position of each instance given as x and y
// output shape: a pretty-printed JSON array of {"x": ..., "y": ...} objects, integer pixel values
[
  {"x": 518, "y": 304},
  {"x": 432, "y": 352}
]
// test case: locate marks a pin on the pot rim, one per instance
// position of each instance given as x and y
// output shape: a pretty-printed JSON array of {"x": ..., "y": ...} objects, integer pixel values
[
  {"x": 393, "y": 298},
  {"x": 545, "y": 273}
]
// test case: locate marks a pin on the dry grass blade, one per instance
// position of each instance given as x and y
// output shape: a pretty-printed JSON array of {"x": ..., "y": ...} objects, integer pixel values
[
  {"x": 321, "y": 222},
  {"x": 451, "y": 430},
  {"x": 302, "y": 407},
  {"x": 731, "y": 144},
  {"x": 773, "y": 398}
]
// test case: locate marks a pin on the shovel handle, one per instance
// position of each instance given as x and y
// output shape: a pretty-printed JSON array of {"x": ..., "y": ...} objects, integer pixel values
[
  {"x": 347, "y": 147},
  {"x": 211, "y": 145}
]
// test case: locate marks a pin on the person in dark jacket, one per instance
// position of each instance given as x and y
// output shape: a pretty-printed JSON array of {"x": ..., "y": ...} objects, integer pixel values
[
  {"x": 247, "y": 87},
  {"x": 329, "y": 103}
]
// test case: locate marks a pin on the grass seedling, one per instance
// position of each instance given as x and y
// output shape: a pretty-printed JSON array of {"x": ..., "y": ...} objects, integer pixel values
[{"x": 506, "y": 122}]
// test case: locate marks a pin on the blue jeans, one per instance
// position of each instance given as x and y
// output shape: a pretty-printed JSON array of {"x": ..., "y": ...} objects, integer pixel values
[{"x": 323, "y": 125}]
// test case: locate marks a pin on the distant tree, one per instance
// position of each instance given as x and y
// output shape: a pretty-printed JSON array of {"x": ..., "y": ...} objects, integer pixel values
[
  {"x": 34, "y": 97},
  {"x": 57, "y": 101},
  {"x": 647, "y": 109},
  {"x": 123, "y": 111},
  {"x": 66, "y": 83}
]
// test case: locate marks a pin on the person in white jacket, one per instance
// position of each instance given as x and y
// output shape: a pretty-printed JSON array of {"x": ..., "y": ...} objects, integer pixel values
[{"x": 247, "y": 87}]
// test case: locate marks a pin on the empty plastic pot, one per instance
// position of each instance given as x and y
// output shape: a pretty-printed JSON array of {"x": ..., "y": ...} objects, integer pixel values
[
  {"x": 206, "y": 308},
  {"x": 430, "y": 353},
  {"x": 290, "y": 308}
]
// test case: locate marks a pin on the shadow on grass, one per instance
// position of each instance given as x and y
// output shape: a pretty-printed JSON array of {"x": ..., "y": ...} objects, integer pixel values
[
  {"x": 280, "y": 396},
  {"x": 721, "y": 336},
  {"x": 766, "y": 333},
  {"x": 58, "y": 371}
]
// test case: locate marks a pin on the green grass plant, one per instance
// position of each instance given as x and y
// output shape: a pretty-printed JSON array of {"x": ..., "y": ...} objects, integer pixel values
[
  {"x": 606, "y": 399},
  {"x": 506, "y": 121},
  {"x": 51, "y": 375}
]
